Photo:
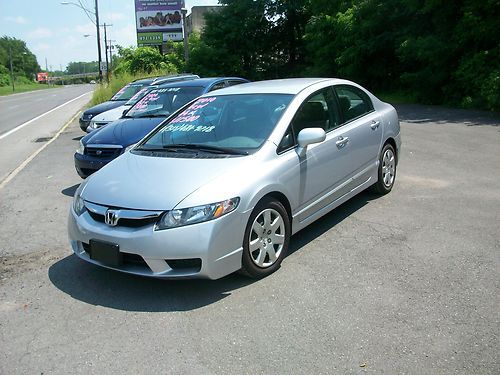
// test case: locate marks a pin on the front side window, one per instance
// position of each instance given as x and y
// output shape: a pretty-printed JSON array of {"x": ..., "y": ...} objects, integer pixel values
[
  {"x": 163, "y": 102},
  {"x": 236, "y": 122},
  {"x": 353, "y": 102},
  {"x": 317, "y": 111}
]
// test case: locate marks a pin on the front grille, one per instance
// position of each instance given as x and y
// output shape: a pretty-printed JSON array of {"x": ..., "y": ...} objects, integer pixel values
[
  {"x": 130, "y": 223},
  {"x": 101, "y": 152}
]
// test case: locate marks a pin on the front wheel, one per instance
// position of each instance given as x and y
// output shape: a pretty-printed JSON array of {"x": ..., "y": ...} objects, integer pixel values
[
  {"x": 386, "y": 170},
  {"x": 266, "y": 240}
]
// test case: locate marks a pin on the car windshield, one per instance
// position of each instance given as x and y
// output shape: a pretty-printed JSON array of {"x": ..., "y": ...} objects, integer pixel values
[
  {"x": 127, "y": 92},
  {"x": 234, "y": 123},
  {"x": 138, "y": 95},
  {"x": 164, "y": 101}
]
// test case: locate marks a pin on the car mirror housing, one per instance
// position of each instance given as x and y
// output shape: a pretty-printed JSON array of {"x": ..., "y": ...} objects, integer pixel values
[{"x": 309, "y": 136}]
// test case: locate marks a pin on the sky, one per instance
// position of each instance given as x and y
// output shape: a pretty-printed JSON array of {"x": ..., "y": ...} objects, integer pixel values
[{"x": 56, "y": 32}]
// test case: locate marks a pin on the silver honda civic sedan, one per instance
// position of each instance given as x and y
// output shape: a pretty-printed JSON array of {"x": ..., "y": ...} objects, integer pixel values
[{"x": 223, "y": 184}]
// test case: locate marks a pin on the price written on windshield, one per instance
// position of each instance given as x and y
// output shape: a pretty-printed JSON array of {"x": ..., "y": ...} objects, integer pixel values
[{"x": 190, "y": 113}]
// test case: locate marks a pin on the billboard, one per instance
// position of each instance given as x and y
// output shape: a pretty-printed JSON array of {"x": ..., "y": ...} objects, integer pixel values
[
  {"x": 42, "y": 77},
  {"x": 158, "y": 21}
]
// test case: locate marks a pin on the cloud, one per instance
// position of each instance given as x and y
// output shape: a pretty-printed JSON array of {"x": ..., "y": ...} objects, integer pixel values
[
  {"x": 88, "y": 28},
  {"x": 40, "y": 33},
  {"x": 109, "y": 17},
  {"x": 40, "y": 47},
  {"x": 125, "y": 36},
  {"x": 20, "y": 20}
]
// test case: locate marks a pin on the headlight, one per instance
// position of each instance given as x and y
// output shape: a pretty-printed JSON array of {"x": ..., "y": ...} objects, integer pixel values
[
  {"x": 81, "y": 148},
  {"x": 78, "y": 202},
  {"x": 198, "y": 214}
]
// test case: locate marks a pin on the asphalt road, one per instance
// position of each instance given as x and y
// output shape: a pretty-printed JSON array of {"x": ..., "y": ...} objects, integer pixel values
[
  {"x": 405, "y": 283},
  {"x": 18, "y": 108},
  {"x": 29, "y": 120}
]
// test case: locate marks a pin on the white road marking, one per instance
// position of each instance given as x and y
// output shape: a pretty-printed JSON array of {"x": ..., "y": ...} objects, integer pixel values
[
  {"x": 15, "y": 172},
  {"x": 14, "y": 106},
  {"x": 43, "y": 114}
]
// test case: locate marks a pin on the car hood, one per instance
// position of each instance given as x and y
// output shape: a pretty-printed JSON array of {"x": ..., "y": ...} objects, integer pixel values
[
  {"x": 112, "y": 114},
  {"x": 154, "y": 183},
  {"x": 124, "y": 131},
  {"x": 106, "y": 106}
]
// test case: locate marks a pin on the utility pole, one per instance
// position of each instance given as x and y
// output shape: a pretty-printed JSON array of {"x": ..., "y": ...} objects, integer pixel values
[
  {"x": 184, "y": 29},
  {"x": 106, "y": 44},
  {"x": 11, "y": 70},
  {"x": 47, "y": 70},
  {"x": 111, "y": 52},
  {"x": 98, "y": 40}
]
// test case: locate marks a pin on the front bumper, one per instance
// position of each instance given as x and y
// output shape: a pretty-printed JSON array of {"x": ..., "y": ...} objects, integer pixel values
[
  {"x": 217, "y": 244},
  {"x": 86, "y": 165},
  {"x": 84, "y": 124}
]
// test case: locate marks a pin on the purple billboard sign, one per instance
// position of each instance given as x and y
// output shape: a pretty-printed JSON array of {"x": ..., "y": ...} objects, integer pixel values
[{"x": 158, "y": 16}]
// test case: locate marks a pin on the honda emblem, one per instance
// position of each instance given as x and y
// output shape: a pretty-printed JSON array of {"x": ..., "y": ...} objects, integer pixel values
[{"x": 111, "y": 217}]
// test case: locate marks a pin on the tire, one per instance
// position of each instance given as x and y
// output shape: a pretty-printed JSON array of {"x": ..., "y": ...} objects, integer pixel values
[
  {"x": 386, "y": 170},
  {"x": 266, "y": 239}
]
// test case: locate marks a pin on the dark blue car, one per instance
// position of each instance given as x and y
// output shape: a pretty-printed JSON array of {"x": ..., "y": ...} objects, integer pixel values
[
  {"x": 127, "y": 92},
  {"x": 105, "y": 144}
]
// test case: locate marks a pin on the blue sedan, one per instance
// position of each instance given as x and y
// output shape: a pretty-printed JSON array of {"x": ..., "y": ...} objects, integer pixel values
[{"x": 102, "y": 146}]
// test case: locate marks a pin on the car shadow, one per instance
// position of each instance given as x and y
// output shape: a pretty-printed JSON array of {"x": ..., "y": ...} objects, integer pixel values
[
  {"x": 330, "y": 220},
  {"x": 77, "y": 138},
  {"x": 102, "y": 287},
  {"x": 70, "y": 191}
]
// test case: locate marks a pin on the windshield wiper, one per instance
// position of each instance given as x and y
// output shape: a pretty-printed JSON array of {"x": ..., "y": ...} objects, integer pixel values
[{"x": 205, "y": 148}]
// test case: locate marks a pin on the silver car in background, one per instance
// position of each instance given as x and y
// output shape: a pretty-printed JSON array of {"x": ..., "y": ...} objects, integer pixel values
[{"x": 223, "y": 184}]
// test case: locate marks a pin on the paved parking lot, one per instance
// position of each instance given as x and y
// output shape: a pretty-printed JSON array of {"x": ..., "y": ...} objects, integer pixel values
[{"x": 405, "y": 283}]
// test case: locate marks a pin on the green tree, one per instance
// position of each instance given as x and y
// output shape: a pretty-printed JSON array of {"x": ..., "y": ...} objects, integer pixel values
[
  {"x": 78, "y": 67},
  {"x": 24, "y": 62},
  {"x": 142, "y": 60}
]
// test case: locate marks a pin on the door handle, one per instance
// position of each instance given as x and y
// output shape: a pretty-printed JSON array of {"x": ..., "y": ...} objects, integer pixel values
[
  {"x": 374, "y": 125},
  {"x": 342, "y": 142}
]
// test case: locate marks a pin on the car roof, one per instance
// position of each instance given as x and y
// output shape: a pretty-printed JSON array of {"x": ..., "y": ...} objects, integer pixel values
[
  {"x": 200, "y": 82},
  {"x": 278, "y": 86},
  {"x": 160, "y": 79}
]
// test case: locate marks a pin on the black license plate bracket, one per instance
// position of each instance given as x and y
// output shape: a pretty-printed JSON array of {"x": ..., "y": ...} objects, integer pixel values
[{"x": 106, "y": 252}]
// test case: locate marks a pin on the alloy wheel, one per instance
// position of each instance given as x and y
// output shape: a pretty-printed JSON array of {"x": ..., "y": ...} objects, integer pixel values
[
  {"x": 388, "y": 167},
  {"x": 267, "y": 237}
]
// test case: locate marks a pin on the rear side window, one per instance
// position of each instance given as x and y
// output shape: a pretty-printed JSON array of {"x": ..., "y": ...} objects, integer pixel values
[
  {"x": 234, "y": 82},
  {"x": 218, "y": 86},
  {"x": 353, "y": 102}
]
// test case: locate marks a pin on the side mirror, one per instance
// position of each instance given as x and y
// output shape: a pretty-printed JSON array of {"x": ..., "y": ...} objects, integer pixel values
[{"x": 309, "y": 136}]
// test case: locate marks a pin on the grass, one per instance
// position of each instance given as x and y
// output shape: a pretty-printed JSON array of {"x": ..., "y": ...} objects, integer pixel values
[{"x": 7, "y": 90}]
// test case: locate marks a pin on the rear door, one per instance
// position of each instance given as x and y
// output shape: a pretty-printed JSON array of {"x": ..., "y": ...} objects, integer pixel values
[{"x": 361, "y": 129}]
